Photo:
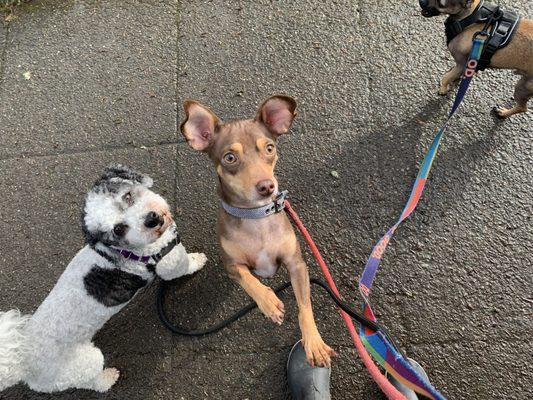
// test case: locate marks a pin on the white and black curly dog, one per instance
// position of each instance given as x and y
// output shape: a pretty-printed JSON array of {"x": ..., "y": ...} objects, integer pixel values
[{"x": 131, "y": 237}]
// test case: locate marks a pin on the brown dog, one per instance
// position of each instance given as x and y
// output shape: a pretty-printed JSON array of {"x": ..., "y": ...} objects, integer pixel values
[
  {"x": 244, "y": 154},
  {"x": 517, "y": 54}
]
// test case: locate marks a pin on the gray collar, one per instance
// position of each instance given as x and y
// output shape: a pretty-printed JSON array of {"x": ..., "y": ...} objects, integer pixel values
[{"x": 260, "y": 212}]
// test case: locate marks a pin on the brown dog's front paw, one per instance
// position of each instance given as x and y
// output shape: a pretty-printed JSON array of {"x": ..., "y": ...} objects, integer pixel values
[
  {"x": 443, "y": 90},
  {"x": 318, "y": 353},
  {"x": 500, "y": 112},
  {"x": 272, "y": 306}
]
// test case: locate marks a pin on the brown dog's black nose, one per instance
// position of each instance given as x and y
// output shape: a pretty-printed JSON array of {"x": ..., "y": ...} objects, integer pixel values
[
  {"x": 265, "y": 187},
  {"x": 153, "y": 219}
]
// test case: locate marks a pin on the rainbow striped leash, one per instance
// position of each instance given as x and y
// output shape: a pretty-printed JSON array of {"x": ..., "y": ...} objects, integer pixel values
[{"x": 382, "y": 350}]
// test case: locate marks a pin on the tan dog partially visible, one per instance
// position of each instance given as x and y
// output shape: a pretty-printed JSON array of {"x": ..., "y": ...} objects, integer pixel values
[
  {"x": 244, "y": 154},
  {"x": 517, "y": 55}
]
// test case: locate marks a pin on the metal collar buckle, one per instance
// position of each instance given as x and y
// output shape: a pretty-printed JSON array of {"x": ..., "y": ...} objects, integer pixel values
[{"x": 279, "y": 201}]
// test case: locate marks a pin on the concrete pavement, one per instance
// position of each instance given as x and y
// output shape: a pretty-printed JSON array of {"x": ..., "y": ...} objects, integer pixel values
[{"x": 87, "y": 83}]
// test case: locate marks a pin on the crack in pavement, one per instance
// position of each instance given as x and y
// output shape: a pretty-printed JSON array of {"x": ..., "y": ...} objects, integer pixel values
[
  {"x": 97, "y": 150},
  {"x": 3, "y": 55}
]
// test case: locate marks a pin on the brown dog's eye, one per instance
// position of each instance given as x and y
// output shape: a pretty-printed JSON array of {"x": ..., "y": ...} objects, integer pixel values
[
  {"x": 270, "y": 148},
  {"x": 230, "y": 158}
]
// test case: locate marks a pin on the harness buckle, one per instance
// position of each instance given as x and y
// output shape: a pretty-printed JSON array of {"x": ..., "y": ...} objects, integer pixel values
[
  {"x": 481, "y": 33},
  {"x": 157, "y": 257}
]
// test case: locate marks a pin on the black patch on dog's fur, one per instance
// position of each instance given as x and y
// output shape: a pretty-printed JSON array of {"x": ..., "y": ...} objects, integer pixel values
[{"x": 112, "y": 287}]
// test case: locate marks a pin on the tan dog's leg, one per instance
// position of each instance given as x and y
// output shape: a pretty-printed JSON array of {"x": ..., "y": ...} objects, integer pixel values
[
  {"x": 522, "y": 93},
  {"x": 318, "y": 352},
  {"x": 266, "y": 299},
  {"x": 451, "y": 76}
]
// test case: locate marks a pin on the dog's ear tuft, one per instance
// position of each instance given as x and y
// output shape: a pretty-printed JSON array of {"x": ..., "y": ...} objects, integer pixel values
[
  {"x": 123, "y": 172},
  {"x": 91, "y": 237},
  {"x": 277, "y": 114},
  {"x": 199, "y": 125}
]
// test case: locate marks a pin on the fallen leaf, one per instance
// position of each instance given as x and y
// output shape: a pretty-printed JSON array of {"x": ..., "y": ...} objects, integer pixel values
[{"x": 10, "y": 17}]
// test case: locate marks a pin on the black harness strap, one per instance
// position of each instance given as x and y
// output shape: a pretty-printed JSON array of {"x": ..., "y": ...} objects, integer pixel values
[
  {"x": 104, "y": 254},
  {"x": 502, "y": 24}
]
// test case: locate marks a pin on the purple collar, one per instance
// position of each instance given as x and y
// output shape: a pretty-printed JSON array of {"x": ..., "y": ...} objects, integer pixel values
[
  {"x": 130, "y": 255},
  {"x": 153, "y": 259}
]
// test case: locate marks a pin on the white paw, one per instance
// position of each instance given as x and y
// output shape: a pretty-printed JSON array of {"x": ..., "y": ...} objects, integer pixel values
[
  {"x": 106, "y": 379},
  {"x": 112, "y": 374},
  {"x": 196, "y": 261}
]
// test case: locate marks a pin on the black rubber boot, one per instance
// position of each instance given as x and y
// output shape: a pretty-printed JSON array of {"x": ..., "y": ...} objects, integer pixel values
[
  {"x": 306, "y": 382},
  {"x": 408, "y": 393}
]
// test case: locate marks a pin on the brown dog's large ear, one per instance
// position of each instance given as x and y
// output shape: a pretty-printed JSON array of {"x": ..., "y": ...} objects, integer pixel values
[
  {"x": 199, "y": 125},
  {"x": 277, "y": 114}
]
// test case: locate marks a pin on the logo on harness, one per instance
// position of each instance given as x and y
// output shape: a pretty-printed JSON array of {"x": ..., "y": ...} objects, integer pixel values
[
  {"x": 471, "y": 68},
  {"x": 380, "y": 247}
]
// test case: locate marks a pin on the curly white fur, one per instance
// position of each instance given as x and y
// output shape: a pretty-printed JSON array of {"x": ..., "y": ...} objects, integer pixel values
[{"x": 12, "y": 342}]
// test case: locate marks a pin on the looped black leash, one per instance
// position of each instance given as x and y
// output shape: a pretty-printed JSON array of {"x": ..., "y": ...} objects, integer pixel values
[{"x": 180, "y": 330}]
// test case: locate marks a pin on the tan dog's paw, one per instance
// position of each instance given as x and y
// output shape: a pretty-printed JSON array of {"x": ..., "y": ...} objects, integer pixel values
[
  {"x": 444, "y": 89},
  {"x": 272, "y": 306},
  {"x": 500, "y": 112},
  {"x": 504, "y": 113},
  {"x": 318, "y": 353}
]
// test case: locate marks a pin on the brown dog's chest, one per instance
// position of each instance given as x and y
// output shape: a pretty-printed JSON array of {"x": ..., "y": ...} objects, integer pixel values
[{"x": 261, "y": 244}]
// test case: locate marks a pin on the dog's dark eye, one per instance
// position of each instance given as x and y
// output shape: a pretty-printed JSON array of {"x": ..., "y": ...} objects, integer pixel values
[
  {"x": 270, "y": 148},
  {"x": 128, "y": 198},
  {"x": 230, "y": 158},
  {"x": 120, "y": 229}
]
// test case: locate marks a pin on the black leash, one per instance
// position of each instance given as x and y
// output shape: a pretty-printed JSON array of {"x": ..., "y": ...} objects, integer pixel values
[{"x": 183, "y": 331}]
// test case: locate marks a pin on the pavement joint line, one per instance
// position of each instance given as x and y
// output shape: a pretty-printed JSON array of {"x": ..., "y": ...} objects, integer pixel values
[
  {"x": 464, "y": 340},
  {"x": 173, "y": 339},
  {"x": 3, "y": 57},
  {"x": 97, "y": 150},
  {"x": 177, "y": 75}
]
